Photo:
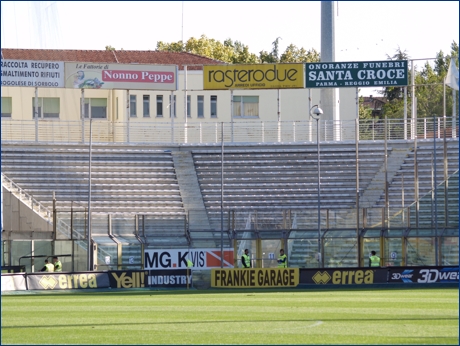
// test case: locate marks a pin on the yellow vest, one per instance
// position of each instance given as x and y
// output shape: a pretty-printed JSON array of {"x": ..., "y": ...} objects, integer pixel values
[
  {"x": 282, "y": 264},
  {"x": 58, "y": 266},
  {"x": 247, "y": 261},
  {"x": 49, "y": 267},
  {"x": 375, "y": 261}
]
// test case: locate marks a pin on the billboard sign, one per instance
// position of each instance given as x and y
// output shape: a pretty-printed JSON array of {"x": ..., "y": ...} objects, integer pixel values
[
  {"x": 424, "y": 275},
  {"x": 31, "y": 73},
  {"x": 177, "y": 258},
  {"x": 356, "y": 74},
  {"x": 350, "y": 276},
  {"x": 170, "y": 278},
  {"x": 88, "y": 75},
  {"x": 255, "y": 277},
  {"x": 14, "y": 282},
  {"x": 255, "y": 76},
  {"x": 65, "y": 281}
]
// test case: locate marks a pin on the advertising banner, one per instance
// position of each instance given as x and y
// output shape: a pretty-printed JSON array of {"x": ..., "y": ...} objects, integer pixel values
[
  {"x": 128, "y": 278},
  {"x": 356, "y": 74},
  {"x": 65, "y": 281},
  {"x": 29, "y": 73},
  {"x": 343, "y": 276},
  {"x": 177, "y": 258},
  {"x": 170, "y": 278},
  {"x": 88, "y": 75},
  {"x": 423, "y": 274},
  {"x": 255, "y": 277},
  {"x": 13, "y": 282},
  {"x": 256, "y": 76}
]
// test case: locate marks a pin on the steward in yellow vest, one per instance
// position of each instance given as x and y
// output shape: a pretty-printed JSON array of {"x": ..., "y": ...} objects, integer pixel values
[
  {"x": 374, "y": 260},
  {"x": 57, "y": 264},
  {"x": 282, "y": 260},
  {"x": 245, "y": 259}
]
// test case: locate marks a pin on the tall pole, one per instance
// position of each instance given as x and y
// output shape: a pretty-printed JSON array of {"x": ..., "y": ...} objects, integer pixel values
[
  {"x": 185, "y": 93},
  {"x": 90, "y": 266},
  {"x": 222, "y": 198},
  {"x": 315, "y": 113},
  {"x": 435, "y": 193},
  {"x": 319, "y": 193}
]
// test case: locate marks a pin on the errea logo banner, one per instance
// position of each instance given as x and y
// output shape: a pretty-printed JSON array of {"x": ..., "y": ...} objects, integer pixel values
[
  {"x": 65, "y": 281},
  {"x": 343, "y": 276},
  {"x": 321, "y": 278},
  {"x": 356, "y": 74}
]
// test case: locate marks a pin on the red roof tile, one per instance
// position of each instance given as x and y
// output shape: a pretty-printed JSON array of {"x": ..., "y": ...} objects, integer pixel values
[{"x": 115, "y": 56}]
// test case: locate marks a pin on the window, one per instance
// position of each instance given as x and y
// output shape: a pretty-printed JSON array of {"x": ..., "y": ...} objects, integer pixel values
[
  {"x": 146, "y": 106},
  {"x": 213, "y": 106},
  {"x": 246, "y": 106},
  {"x": 189, "y": 106},
  {"x": 6, "y": 107},
  {"x": 172, "y": 105},
  {"x": 96, "y": 108},
  {"x": 132, "y": 106},
  {"x": 159, "y": 105},
  {"x": 200, "y": 104},
  {"x": 48, "y": 107}
]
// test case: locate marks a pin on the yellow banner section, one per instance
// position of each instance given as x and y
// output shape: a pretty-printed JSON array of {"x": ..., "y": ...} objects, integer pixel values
[
  {"x": 272, "y": 277},
  {"x": 260, "y": 76}
]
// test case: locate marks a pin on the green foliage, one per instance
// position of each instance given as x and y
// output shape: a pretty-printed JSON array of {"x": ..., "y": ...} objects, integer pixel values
[
  {"x": 294, "y": 54},
  {"x": 364, "y": 111},
  {"x": 235, "y": 52},
  {"x": 291, "y": 316},
  {"x": 429, "y": 88}
]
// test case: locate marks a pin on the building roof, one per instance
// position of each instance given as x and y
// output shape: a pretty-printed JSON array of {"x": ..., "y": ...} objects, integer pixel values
[
  {"x": 112, "y": 57},
  {"x": 374, "y": 102}
]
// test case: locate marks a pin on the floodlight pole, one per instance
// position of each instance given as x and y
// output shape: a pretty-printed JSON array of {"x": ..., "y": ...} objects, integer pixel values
[
  {"x": 222, "y": 198},
  {"x": 90, "y": 248},
  {"x": 315, "y": 113}
]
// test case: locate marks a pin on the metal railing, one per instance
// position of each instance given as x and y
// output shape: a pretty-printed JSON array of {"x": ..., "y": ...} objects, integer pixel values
[{"x": 104, "y": 131}]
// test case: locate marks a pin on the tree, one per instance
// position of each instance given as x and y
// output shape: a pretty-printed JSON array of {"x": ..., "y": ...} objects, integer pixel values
[
  {"x": 228, "y": 51},
  {"x": 429, "y": 87},
  {"x": 294, "y": 54},
  {"x": 235, "y": 52},
  {"x": 395, "y": 93},
  {"x": 109, "y": 48},
  {"x": 273, "y": 56}
]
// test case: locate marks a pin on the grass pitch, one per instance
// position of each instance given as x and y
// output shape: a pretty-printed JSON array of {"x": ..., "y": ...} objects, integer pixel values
[{"x": 352, "y": 316}]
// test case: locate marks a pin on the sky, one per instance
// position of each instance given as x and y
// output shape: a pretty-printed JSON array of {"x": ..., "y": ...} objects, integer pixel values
[{"x": 364, "y": 30}]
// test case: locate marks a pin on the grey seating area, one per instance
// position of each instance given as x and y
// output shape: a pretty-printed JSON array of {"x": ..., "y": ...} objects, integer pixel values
[
  {"x": 280, "y": 177},
  {"x": 429, "y": 173},
  {"x": 125, "y": 180}
]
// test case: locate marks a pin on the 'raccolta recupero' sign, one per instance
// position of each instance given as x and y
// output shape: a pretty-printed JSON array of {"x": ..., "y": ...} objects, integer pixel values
[{"x": 356, "y": 74}]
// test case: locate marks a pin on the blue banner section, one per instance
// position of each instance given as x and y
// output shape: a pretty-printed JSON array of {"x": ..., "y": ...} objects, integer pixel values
[
  {"x": 170, "y": 278},
  {"x": 423, "y": 275},
  {"x": 379, "y": 275}
]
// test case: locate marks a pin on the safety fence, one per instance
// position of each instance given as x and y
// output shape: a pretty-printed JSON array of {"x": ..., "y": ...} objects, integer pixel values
[{"x": 103, "y": 131}]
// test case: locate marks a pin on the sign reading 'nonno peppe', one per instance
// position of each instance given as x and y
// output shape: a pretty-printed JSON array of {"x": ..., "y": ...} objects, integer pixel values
[{"x": 356, "y": 74}]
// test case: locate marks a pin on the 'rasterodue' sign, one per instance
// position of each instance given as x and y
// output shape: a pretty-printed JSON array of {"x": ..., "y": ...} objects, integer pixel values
[
  {"x": 356, "y": 74},
  {"x": 255, "y": 76}
]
